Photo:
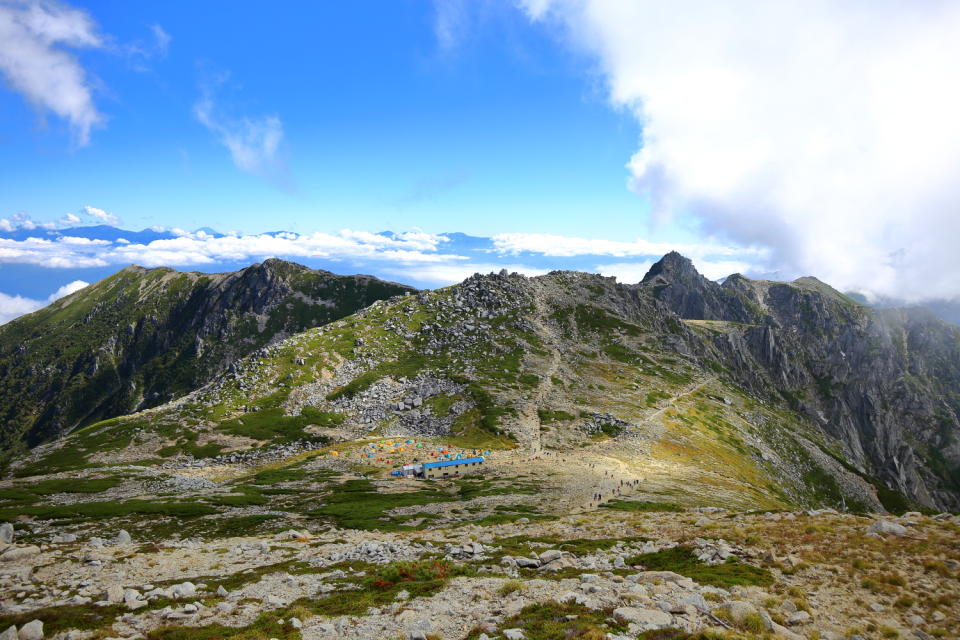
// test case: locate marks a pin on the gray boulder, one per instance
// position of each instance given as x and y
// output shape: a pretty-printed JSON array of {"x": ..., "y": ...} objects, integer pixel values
[
  {"x": 646, "y": 618},
  {"x": 549, "y": 556},
  {"x": 15, "y": 554},
  {"x": 31, "y": 631},
  {"x": 885, "y": 527},
  {"x": 9, "y": 634},
  {"x": 6, "y": 535}
]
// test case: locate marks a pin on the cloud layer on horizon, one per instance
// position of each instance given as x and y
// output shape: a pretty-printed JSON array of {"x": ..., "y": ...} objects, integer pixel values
[
  {"x": 824, "y": 131},
  {"x": 14, "y": 306},
  {"x": 433, "y": 259}
]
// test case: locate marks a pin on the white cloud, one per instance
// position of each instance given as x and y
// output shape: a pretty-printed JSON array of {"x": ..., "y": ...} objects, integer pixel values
[
  {"x": 161, "y": 40},
  {"x": 101, "y": 215},
  {"x": 826, "y": 131},
  {"x": 548, "y": 244},
  {"x": 627, "y": 272},
  {"x": 23, "y": 221},
  {"x": 34, "y": 38},
  {"x": 14, "y": 306},
  {"x": 449, "y": 22},
  {"x": 201, "y": 248},
  {"x": 67, "y": 289},
  {"x": 254, "y": 142}
]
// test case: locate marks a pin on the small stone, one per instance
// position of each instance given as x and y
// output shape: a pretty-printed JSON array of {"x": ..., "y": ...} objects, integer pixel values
[
  {"x": 295, "y": 623},
  {"x": 938, "y": 616},
  {"x": 514, "y": 634},
  {"x": 9, "y": 634},
  {"x": 221, "y": 591},
  {"x": 877, "y": 607},
  {"x": 6, "y": 537},
  {"x": 31, "y": 631},
  {"x": 122, "y": 537}
]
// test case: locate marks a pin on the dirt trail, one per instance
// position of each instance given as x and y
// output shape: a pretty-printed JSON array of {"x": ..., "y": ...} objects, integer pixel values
[
  {"x": 673, "y": 401},
  {"x": 528, "y": 419}
]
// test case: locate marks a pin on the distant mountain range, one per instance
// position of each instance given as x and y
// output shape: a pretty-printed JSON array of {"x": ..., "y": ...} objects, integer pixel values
[
  {"x": 763, "y": 393},
  {"x": 458, "y": 253}
]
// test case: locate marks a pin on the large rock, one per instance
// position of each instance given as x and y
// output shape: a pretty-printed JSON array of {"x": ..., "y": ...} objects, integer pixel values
[
  {"x": 16, "y": 554},
  {"x": 114, "y": 594},
  {"x": 183, "y": 590},
  {"x": 652, "y": 577},
  {"x": 646, "y": 618},
  {"x": 31, "y": 631},
  {"x": 6, "y": 534},
  {"x": 9, "y": 634},
  {"x": 885, "y": 527},
  {"x": 740, "y": 611},
  {"x": 122, "y": 538},
  {"x": 550, "y": 555}
]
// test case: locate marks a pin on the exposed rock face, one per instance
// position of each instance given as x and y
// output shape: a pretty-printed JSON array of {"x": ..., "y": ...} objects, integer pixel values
[
  {"x": 144, "y": 336},
  {"x": 675, "y": 281},
  {"x": 882, "y": 381}
]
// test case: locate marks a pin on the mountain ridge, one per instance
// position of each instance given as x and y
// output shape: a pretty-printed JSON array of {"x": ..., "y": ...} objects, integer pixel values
[{"x": 144, "y": 335}]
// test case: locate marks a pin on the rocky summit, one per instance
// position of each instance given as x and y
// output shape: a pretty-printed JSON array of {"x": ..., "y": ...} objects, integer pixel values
[{"x": 672, "y": 459}]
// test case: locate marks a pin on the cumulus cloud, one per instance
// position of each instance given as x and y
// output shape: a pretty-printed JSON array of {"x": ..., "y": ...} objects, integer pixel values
[
  {"x": 24, "y": 221},
  {"x": 36, "y": 37},
  {"x": 202, "y": 248},
  {"x": 67, "y": 289},
  {"x": 101, "y": 215},
  {"x": 826, "y": 131},
  {"x": 15, "y": 306},
  {"x": 254, "y": 142}
]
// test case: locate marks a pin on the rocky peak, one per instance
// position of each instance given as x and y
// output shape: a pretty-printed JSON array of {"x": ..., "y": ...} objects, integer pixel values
[
  {"x": 676, "y": 282},
  {"x": 671, "y": 268}
]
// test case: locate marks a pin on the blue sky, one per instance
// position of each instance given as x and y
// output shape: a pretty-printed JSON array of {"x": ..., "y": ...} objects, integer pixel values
[
  {"x": 587, "y": 134},
  {"x": 384, "y": 127}
]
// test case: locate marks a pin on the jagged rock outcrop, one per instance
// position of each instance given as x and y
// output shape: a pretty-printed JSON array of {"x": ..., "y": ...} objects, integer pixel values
[
  {"x": 144, "y": 336},
  {"x": 884, "y": 382},
  {"x": 676, "y": 282}
]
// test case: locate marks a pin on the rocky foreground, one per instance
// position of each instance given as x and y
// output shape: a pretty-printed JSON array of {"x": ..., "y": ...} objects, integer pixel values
[{"x": 602, "y": 574}]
